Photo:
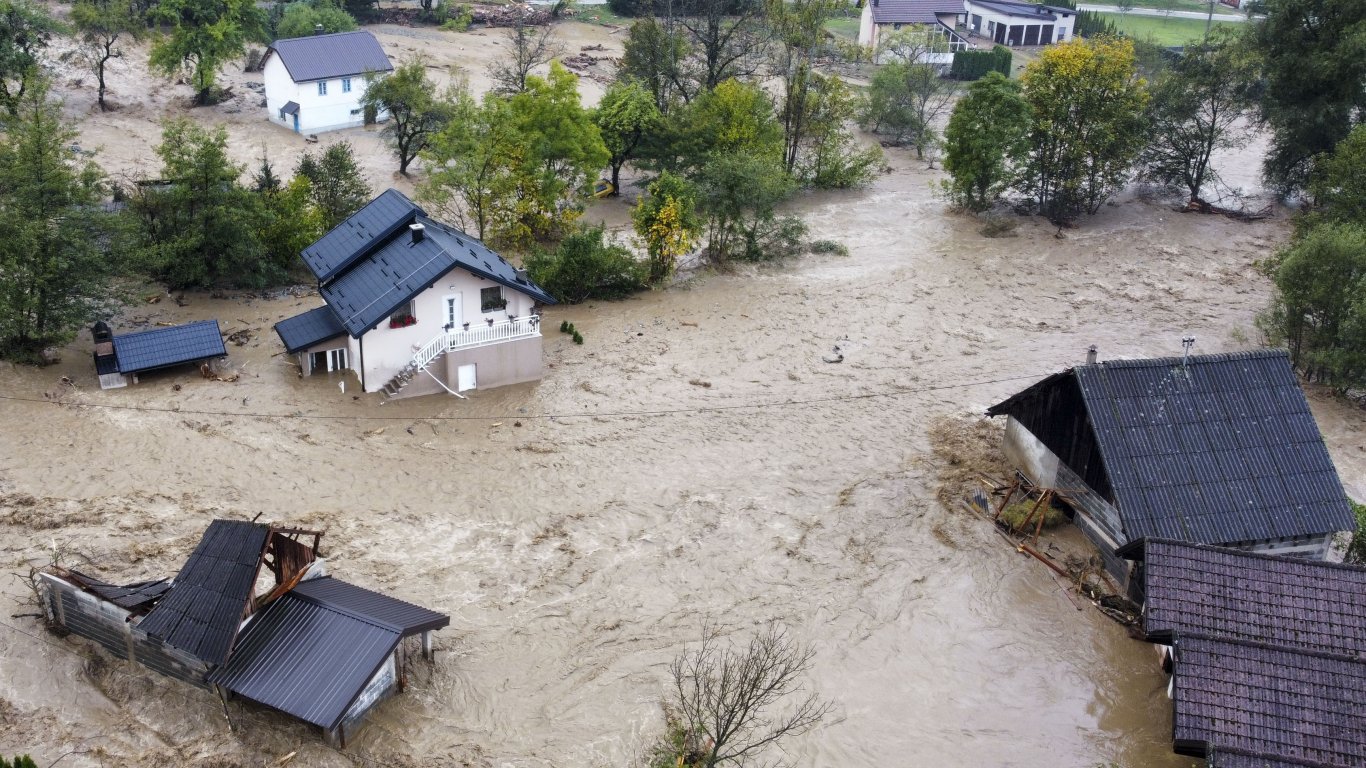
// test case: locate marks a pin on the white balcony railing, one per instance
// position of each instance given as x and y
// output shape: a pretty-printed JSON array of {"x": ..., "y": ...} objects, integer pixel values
[{"x": 477, "y": 334}]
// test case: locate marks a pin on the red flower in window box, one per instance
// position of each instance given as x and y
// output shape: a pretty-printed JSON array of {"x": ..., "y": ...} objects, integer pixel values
[{"x": 402, "y": 322}]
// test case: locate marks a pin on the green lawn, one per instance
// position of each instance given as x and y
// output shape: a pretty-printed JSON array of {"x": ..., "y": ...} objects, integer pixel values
[
  {"x": 599, "y": 14},
  {"x": 1183, "y": 5},
  {"x": 1162, "y": 31},
  {"x": 845, "y": 27}
]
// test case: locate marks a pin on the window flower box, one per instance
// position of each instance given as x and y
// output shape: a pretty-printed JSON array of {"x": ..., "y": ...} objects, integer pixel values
[{"x": 402, "y": 322}]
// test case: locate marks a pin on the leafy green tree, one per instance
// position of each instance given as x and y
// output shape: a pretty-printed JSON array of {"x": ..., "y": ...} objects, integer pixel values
[
  {"x": 292, "y": 222},
  {"x": 101, "y": 24},
  {"x": 799, "y": 26},
  {"x": 652, "y": 56},
  {"x": 472, "y": 164},
  {"x": 725, "y": 38},
  {"x": 301, "y": 19},
  {"x": 831, "y": 158},
  {"x": 1198, "y": 108},
  {"x": 986, "y": 136},
  {"x": 740, "y": 195},
  {"x": 1314, "y": 72},
  {"x": 1338, "y": 184},
  {"x": 52, "y": 263},
  {"x": 586, "y": 266},
  {"x": 335, "y": 183},
  {"x": 624, "y": 115},
  {"x": 200, "y": 228},
  {"x": 733, "y": 117},
  {"x": 25, "y": 29},
  {"x": 904, "y": 101},
  {"x": 1320, "y": 312},
  {"x": 1087, "y": 124},
  {"x": 204, "y": 35},
  {"x": 666, "y": 220},
  {"x": 416, "y": 113}
]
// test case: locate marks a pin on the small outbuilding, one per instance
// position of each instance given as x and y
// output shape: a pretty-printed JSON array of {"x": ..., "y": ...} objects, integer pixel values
[
  {"x": 1212, "y": 449},
  {"x": 1019, "y": 24},
  {"x": 315, "y": 84},
  {"x": 123, "y": 357}
]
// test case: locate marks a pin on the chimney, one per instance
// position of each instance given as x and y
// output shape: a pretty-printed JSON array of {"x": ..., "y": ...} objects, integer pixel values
[
  {"x": 419, "y": 232},
  {"x": 101, "y": 332},
  {"x": 1091, "y": 355},
  {"x": 317, "y": 29},
  {"x": 521, "y": 275}
]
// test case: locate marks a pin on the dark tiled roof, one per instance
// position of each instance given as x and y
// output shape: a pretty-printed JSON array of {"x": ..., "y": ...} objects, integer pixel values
[
  {"x": 1021, "y": 10},
  {"x": 1227, "y": 758},
  {"x": 208, "y": 598},
  {"x": 1236, "y": 595},
  {"x": 311, "y": 652},
  {"x": 129, "y": 596},
  {"x": 397, "y": 615},
  {"x": 162, "y": 347},
  {"x": 290, "y": 108},
  {"x": 369, "y": 265},
  {"x": 1262, "y": 700},
  {"x": 1223, "y": 450},
  {"x": 312, "y": 327},
  {"x": 359, "y": 234},
  {"x": 912, "y": 11},
  {"x": 319, "y": 57}
]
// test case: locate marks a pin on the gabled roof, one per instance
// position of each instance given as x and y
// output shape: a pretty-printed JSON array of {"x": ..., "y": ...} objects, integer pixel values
[
  {"x": 1022, "y": 10},
  {"x": 163, "y": 347},
  {"x": 1220, "y": 450},
  {"x": 369, "y": 265},
  {"x": 1236, "y": 595},
  {"x": 321, "y": 57},
  {"x": 208, "y": 598},
  {"x": 1249, "y": 700},
  {"x": 312, "y": 327},
  {"x": 912, "y": 11},
  {"x": 311, "y": 652}
]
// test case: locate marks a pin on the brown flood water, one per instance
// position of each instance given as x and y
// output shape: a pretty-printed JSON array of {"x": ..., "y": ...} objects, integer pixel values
[{"x": 578, "y": 552}]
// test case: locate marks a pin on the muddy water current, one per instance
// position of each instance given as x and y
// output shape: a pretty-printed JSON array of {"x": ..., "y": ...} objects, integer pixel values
[{"x": 694, "y": 460}]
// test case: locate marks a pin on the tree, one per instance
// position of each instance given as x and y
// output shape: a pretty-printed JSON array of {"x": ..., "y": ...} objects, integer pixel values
[
  {"x": 739, "y": 193},
  {"x": 301, "y": 19},
  {"x": 1314, "y": 73},
  {"x": 799, "y": 26},
  {"x": 666, "y": 219},
  {"x": 831, "y": 158},
  {"x": 731, "y": 699},
  {"x": 733, "y": 117},
  {"x": 292, "y": 221},
  {"x": 472, "y": 164},
  {"x": 531, "y": 47},
  {"x": 1086, "y": 126},
  {"x": 415, "y": 113},
  {"x": 1338, "y": 183},
  {"x": 651, "y": 57},
  {"x": 726, "y": 39},
  {"x": 585, "y": 266},
  {"x": 625, "y": 114},
  {"x": 905, "y": 100},
  {"x": 52, "y": 264},
  {"x": 25, "y": 29},
  {"x": 101, "y": 25},
  {"x": 336, "y": 186},
  {"x": 19, "y": 761},
  {"x": 204, "y": 35},
  {"x": 1198, "y": 107},
  {"x": 985, "y": 138}
]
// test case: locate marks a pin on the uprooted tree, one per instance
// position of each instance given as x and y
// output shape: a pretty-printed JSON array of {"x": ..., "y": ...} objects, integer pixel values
[{"x": 733, "y": 701}]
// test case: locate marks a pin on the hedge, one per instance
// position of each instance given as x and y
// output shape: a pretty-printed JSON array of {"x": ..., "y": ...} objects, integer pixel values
[{"x": 974, "y": 65}]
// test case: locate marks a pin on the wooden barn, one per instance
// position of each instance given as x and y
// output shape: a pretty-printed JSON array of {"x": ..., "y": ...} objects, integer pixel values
[
  {"x": 1267, "y": 653},
  {"x": 1212, "y": 449}
]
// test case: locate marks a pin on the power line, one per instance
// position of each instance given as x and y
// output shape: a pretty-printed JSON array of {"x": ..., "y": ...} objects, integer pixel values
[{"x": 504, "y": 417}]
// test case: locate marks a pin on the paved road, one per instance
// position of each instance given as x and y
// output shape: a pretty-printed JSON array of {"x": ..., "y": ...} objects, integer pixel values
[{"x": 1155, "y": 12}]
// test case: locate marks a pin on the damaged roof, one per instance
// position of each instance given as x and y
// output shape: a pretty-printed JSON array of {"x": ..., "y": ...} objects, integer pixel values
[
  {"x": 131, "y": 597},
  {"x": 1218, "y": 449},
  {"x": 202, "y": 611},
  {"x": 312, "y": 652}
]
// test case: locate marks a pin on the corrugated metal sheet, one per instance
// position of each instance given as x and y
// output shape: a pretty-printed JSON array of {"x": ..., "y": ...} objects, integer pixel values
[
  {"x": 1260, "y": 700},
  {"x": 312, "y": 327},
  {"x": 201, "y": 612},
  {"x": 162, "y": 347},
  {"x": 1237, "y": 595},
  {"x": 397, "y": 615},
  {"x": 132, "y": 597},
  {"x": 360, "y": 234},
  {"x": 912, "y": 11},
  {"x": 306, "y": 659},
  {"x": 1222, "y": 450},
  {"x": 321, "y": 57}
]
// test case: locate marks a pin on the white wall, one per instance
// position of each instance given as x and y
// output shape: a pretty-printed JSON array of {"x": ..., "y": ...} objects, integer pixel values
[
  {"x": 334, "y": 111},
  {"x": 1062, "y": 28}
]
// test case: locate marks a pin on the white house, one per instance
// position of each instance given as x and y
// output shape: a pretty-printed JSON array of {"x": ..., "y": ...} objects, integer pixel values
[
  {"x": 940, "y": 16},
  {"x": 1017, "y": 24},
  {"x": 315, "y": 84},
  {"x": 415, "y": 307}
]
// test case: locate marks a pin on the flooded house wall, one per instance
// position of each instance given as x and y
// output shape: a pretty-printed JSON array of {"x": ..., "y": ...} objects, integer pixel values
[
  {"x": 109, "y": 625},
  {"x": 497, "y": 365},
  {"x": 381, "y": 686}
]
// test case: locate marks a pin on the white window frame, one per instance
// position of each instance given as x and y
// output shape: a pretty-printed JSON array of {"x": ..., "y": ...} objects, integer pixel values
[
  {"x": 346, "y": 85},
  {"x": 322, "y": 87}
]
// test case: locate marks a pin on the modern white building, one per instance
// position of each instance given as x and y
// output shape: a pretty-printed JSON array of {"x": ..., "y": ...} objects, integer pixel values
[
  {"x": 315, "y": 84},
  {"x": 415, "y": 307},
  {"x": 940, "y": 17},
  {"x": 1019, "y": 24}
]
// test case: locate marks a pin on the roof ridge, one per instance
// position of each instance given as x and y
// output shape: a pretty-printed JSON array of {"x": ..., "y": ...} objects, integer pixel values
[
  {"x": 372, "y": 621},
  {"x": 165, "y": 327},
  {"x": 328, "y": 34},
  {"x": 1241, "y": 552},
  {"x": 1216, "y": 357},
  {"x": 1300, "y": 650}
]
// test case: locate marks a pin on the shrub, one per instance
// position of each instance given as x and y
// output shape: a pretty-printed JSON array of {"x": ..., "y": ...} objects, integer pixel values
[
  {"x": 1015, "y": 514},
  {"x": 585, "y": 266},
  {"x": 828, "y": 247},
  {"x": 973, "y": 65},
  {"x": 565, "y": 326},
  {"x": 999, "y": 226},
  {"x": 1356, "y": 551},
  {"x": 578, "y": 337}
]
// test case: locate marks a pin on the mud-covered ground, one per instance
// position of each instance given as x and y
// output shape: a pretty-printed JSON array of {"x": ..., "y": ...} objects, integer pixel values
[{"x": 696, "y": 459}]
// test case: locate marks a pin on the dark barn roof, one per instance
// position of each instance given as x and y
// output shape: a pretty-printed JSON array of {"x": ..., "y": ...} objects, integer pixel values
[
  {"x": 320, "y": 57},
  {"x": 369, "y": 266},
  {"x": 132, "y": 597},
  {"x": 912, "y": 11},
  {"x": 1220, "y": 450},
  {"x": 1236, "y": 595},
  {"x": 312, "y": 327},
  {"x": 1259, "y": 700},
  {"x": 208, "y": 598},
  {"x": 311, "y": 652},
  {"x": 163, "y": 347}
]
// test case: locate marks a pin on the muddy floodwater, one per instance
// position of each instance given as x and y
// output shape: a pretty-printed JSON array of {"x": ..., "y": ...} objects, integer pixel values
[{"x": 695, "y": 459}]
